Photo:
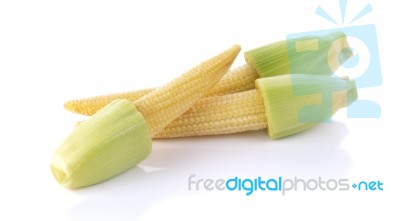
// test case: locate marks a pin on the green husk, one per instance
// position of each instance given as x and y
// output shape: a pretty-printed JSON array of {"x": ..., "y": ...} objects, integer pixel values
[
  {"x": 305, "y": 55},
  {"x": 113, "y": 140},
  {"x": 294, "y": 103}
]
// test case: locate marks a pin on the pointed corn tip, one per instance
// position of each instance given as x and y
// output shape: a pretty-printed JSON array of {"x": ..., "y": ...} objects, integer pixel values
[
  {"x": 170, "y": 101},
  {"x": 113, "y": 140},
  {"x": 294, "y": 103},
  {"x": 79, "y": 107},
  {"x": 70, "y": 106}
]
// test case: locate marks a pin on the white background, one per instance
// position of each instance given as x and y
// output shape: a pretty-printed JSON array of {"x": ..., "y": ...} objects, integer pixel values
[{"x": 54, "y": 51}]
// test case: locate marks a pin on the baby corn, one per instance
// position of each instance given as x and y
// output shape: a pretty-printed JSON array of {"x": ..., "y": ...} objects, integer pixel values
[
  {"x": 284, "y": 104},
  {"x": 274, "y": 59},
  {"x": 226, "y": 114},
  {"x": 118, "y": 136}
]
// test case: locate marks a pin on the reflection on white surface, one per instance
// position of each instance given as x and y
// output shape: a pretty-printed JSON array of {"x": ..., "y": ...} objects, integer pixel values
[{"x": 310, "y": 154}]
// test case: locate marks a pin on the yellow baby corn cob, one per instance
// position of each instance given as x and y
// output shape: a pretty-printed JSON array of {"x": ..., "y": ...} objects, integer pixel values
[
  {"x": 89, "y": 106},
  {"x": 226, "y": 114},
  {"x": 270, "y": 60},
  {"x": 118, "y": 136},
  {"x": 285, "y": 104},
  {"x": 167, "y": 103},
  {"x": 238, "y": 79}
]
